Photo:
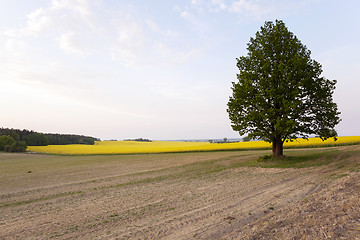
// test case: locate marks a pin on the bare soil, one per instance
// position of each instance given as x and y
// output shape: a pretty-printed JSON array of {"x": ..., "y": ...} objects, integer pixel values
[{"x": 177, "y": 196}]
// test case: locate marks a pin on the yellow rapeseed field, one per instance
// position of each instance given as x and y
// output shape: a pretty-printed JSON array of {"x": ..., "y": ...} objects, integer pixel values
[{"x": 127, "y": 147}]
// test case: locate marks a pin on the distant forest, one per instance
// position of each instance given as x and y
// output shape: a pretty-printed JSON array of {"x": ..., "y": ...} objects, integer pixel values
[
  {"x": 139, "y": 140},
  {"x": 32, "y": 138}
]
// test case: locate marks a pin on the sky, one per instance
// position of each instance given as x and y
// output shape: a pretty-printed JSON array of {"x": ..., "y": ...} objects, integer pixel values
[{"x": 160, "y": 69}]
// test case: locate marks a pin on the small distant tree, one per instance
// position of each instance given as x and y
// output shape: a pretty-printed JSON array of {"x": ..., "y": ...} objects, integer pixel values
[
  {"x": 280, "y": 93},
  {"x": 246, "y": 139}
]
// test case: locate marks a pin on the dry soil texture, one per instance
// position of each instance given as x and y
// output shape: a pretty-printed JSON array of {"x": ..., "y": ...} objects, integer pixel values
[{"x": 214, "y": 195}]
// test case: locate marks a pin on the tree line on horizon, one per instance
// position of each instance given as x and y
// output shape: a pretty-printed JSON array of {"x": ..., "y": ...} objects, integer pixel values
[{"x": 16, "y": 140}]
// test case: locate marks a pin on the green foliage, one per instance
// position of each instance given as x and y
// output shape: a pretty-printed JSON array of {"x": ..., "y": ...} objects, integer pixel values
[
  {"x": 139, "y": 140},
  {"x": 40, "y": 139},
  {"x": 29, "y": 137},
  {"x": 36, "y": 139},
  {"x": 15, "y": 136},
  {"x": 8, "y": 144},
  {"x": 265, "y": 158},
  {"x": 246, "y": 139},
  {"x": 18, "y": 146},
  {"x": 280, "y": 94},
  {"x": 5, "y": 140},
  {"x": 303, "y": 159},
  {"x": 61, "y": 139}
]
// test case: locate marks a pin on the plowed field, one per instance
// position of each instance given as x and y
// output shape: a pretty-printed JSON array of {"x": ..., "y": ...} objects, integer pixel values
[{"x": 205, "y": 195}]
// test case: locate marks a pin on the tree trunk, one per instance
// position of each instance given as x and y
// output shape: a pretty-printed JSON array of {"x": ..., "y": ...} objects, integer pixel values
[{"x": 278, "y": 148}]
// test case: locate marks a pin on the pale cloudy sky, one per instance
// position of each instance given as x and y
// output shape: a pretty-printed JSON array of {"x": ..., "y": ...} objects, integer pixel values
[{"x": 155, "y": 69}]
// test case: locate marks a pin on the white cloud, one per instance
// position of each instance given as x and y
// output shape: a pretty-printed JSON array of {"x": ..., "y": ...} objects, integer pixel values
[
  {"x": 15, "y": 47},
  {"x": 81, "y": 7},
  {"x": 59, "y": 11},
  {"x": 37, "y": 21},
  {"x": 153, "y": 26},
  {"x": 185, "y": 14},
  {"x": 219, "y": 3},
  {"x": 69, "y": 43},
  {"x": 249, "y": 8},
  {"x": 130, "y": 41},
  {"x": 175, "y": 56},
  {"x": 246, "y": 9},
  {"x": 213, "y": 5},
  {"x": 182, "y": 57},
  {"x": 258, "y": 9},
  {"x": 78, "y": 29}
]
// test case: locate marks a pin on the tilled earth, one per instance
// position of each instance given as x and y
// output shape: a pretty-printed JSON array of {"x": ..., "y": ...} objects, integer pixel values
[
  {"x": 331, "y": 213},
  {"x": 175, "y": 196}
]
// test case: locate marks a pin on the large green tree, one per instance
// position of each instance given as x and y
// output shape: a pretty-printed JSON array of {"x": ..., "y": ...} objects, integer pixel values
[{"x": 280, "y": 94}]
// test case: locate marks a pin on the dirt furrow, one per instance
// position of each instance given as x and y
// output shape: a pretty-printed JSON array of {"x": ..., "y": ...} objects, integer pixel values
[{"x": 178, "y": 200}]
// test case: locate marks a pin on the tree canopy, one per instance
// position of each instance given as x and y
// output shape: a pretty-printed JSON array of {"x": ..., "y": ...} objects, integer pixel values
[
  {"x": 280, "y": 94},
  {"x": 32, "y": 138},
  {"x": 9, "y": 144},
  {"x": 5, "y": 140}
]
